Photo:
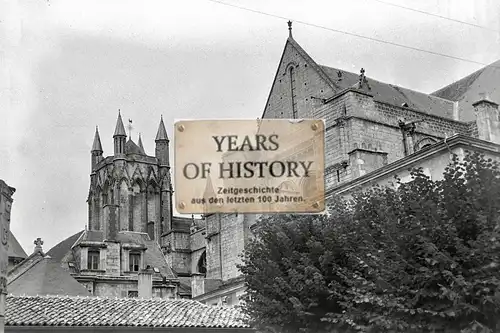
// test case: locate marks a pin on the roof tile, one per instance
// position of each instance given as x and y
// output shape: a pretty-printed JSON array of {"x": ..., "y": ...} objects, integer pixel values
[{"x": 97, "y": 311}]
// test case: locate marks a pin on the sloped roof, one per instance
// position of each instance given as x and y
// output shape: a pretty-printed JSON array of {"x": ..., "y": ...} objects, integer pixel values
[
  {"x": 15, "y": 249},
  {"x": 119, "y": 129},
  {"x": 59, "y": 251},
  {"x": 467, "y": 90},
  {"x": 96, "y": 311},
  {"x": 153, "y": 255},
  {"x": 454, "y": 91},
  {"x": 162, "y": 132},
  {"x": 182, "y": 223},
  {"x": 381, "y": 91},
  {"x": 45, "y": 277},
  {"x": 395, "y": 95},
  {"x": 96, "y": 146},
  {"x": 139, "y": 143},
  {"x": 132, "y": 148}
]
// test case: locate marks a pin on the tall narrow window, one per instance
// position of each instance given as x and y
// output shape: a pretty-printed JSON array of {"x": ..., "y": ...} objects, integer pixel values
[
  {"x": 151, "y": 230},
  {"x": 93, "y": 260},
  {"x": 202, "y": 263},
  {"x": 292, "y": 91},
  {"x": 134, "y": 262}
]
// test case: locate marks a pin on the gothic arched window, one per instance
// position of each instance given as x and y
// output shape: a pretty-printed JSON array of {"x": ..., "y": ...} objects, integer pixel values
[
  {"x": 151, "y": 230},
  {"x": 291, "y": 72},
  {"x": 202, "y": 263}
]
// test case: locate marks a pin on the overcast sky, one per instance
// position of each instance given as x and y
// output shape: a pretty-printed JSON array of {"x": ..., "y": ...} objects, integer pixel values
[{"x": 67, "y": 66}]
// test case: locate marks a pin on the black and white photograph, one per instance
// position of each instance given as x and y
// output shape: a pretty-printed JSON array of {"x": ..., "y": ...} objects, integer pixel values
[{"x": 241, "y": 166}]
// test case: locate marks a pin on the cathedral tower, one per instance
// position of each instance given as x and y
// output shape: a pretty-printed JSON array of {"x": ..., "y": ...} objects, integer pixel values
[{"x": 130, "y": 191}]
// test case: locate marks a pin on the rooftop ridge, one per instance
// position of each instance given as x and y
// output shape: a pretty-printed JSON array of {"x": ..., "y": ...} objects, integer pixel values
[{"x": 390, "y": 84}]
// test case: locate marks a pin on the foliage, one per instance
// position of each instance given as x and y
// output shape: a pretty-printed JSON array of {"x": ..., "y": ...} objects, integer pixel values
[{"x": 421, "y": 256}]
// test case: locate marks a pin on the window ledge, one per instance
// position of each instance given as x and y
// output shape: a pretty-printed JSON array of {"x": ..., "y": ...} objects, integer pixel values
[{"x": 92, "y": 271}]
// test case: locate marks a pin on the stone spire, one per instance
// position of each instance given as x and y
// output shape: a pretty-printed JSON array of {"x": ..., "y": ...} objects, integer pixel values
[
  {"x": 161, "y": 135},
  {"x": 139, "y": 142},
  {"x": 119, "y": 137},
  {"x": 162, "y": 145},
  {"x": 290, "y": 29},
  {"x": 119, "y": 129},
  {"x": 96, "y": 146}
]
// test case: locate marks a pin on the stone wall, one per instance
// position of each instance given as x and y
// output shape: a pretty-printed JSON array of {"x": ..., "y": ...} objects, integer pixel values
[
  {"x": 114, "y": 289},
  {"x": 233, "y": 241},
  {"x": 113, "y": 259},
  {"x": 213, "y": 247},
  {"x": 307, "y": 83},
  {"x": 134, "y": 185}
]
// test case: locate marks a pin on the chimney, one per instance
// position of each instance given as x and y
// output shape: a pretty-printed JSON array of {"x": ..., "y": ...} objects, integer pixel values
[
  {"x": 197, "y": 284},
  {"x": 488, "y": 124},
  {"x": 145, "y": 283}
]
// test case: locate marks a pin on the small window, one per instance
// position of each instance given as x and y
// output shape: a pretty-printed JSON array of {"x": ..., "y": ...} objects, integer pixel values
[
  {"x": 134, "y": 262},
  {"x": 93, "y": 260},
  {"x": 133, "y": 294}
]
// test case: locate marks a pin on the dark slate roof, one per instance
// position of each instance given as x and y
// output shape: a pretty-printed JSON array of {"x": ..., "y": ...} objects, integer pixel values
[
  {"x": 468, "y": 90},
  {"x": 382, "y": 92},
  {"x": 15, "y": 249},
  {"x": 96, "y": 311},
  {"x": 45, "y": 277},
  {"x": 395, "y": 95},
  {"x": 181, "y": 223},
  {"x": 132, "y": 148},
  {"x": 119, "y": 129},
  {"x": 153, "y": 256},
  {"x": 162, "y": 132},
  {"x": 97, "y": 146},
  {"x": 59, "y": 251},
  {"x": 455, "y": 91}
]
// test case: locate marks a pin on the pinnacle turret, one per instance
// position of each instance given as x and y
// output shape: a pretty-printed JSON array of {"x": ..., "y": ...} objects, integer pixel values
[
  {"x": 119, "y": 137},
  {"x": 139, "y": 142},
  {"x": 119, "y": 129},
  {"x": 162, "y": 132},
  {"x": 96, "y": 146}
]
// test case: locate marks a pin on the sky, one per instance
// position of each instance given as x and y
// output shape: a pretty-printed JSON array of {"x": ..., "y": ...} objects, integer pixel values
[{"x": 67, "y": 66}]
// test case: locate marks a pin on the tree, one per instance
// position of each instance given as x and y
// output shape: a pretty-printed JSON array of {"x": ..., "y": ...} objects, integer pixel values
[{"x": 416, "y": 257}]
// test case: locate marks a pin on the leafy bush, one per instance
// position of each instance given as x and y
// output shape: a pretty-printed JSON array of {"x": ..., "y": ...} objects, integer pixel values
[{"x": 419, "y": 257}]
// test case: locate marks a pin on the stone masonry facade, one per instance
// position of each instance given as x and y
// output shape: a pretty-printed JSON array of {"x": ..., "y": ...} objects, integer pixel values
[{"x": 369, "y": 126}]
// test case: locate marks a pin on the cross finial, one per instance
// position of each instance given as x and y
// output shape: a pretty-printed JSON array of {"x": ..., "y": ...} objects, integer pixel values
[
  {"x": 363, "y": 80},
  {"x": 38, "y": 244},
  {"x": 290, "y": 29}
]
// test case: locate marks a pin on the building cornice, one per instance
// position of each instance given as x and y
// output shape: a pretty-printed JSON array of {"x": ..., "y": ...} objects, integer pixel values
[{"x": 444, "y": 145}]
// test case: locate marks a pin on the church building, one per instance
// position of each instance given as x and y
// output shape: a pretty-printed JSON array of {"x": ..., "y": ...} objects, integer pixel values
[
  {"x": 131, "y": 230},
  {"x": 374, "y": 131}
]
